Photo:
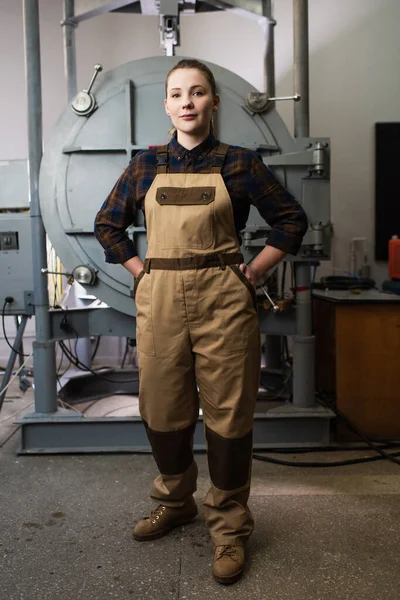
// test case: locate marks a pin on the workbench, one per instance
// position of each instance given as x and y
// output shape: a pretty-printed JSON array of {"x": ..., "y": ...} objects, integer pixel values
[{"x": 358, "y": 357}]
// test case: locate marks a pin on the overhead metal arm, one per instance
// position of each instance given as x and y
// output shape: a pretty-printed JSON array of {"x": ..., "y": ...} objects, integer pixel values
[{"x": 87, "y": 9}]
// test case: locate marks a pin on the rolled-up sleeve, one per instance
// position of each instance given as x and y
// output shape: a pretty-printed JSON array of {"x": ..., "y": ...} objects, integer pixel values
[
  {"x": 115, "y": 215},
  {"x": 278, "y": 207}
]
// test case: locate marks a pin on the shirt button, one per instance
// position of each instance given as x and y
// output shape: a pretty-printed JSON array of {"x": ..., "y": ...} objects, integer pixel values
[{"x": 205, "y": 195}]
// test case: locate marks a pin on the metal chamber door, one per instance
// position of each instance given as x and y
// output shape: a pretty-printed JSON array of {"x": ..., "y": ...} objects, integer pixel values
[{"x": 85, "y": 156}]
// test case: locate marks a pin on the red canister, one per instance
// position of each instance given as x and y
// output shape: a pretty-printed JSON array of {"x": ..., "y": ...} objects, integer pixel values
[{"x": 394, "y": 257}]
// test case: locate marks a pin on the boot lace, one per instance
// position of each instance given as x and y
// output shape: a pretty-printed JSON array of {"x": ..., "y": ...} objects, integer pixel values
[
  {"x": 227, "y": 551},
  {"x": 157, "y": 513}
]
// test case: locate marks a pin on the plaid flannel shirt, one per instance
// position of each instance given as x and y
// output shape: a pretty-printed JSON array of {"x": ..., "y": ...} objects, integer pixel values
[{"x": 247, "y": 180}]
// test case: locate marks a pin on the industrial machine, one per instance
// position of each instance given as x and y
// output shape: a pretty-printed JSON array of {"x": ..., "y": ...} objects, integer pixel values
[
  {"x": 99, "y": 131},
  {"x": 16, "y": 270}
]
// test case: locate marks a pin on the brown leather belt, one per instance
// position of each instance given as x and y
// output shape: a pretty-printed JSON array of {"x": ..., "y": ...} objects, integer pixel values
[{"x": 192, "y": 262}]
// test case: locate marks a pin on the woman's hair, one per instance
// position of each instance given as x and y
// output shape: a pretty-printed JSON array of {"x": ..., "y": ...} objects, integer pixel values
[{"x": 191, "y": 63}]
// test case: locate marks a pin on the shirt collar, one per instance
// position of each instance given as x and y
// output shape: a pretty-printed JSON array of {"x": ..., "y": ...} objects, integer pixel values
[{"x": 199, "y": 151}]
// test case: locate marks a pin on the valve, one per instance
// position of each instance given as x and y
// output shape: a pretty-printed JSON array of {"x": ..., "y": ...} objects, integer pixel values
[
  {"x": 84, "y": 102},
  {"x": 258, "y": 102},
  {"x": 84, "y": 274}
]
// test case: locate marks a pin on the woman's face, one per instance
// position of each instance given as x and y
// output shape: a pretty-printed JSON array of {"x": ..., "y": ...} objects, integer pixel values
[{"x": 190, "y": 102}]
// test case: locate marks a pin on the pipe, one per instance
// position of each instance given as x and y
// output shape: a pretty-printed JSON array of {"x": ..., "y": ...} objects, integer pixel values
[
  {"x": 83, "y": 345},
  {"x": 69, "y": 48},
  {"x": 269, "y": 61},
  {"x": 303, "y": 341},
  {"x": 44, "y": 351},
  {"x": 301, "y": 68}
]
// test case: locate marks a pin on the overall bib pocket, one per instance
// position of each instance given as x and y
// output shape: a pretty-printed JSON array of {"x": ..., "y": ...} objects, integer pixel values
[{"x": 186, "y": 217}]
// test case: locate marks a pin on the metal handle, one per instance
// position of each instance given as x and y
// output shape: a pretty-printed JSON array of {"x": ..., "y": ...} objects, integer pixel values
[
  {"x": 258, "y": 102},
  {"x": 274, "y": 307},
  {"x": 295, "y": 97},
  {"x": 97, "y": 69},
  {"x": 47, "y": 272}
]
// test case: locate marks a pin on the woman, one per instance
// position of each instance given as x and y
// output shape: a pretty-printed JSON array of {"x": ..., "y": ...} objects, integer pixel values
[{"x": 197, "y": 325}]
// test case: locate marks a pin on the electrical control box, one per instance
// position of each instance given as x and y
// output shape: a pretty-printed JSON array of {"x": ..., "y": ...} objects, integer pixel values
[{"x": 16, "y": 269}]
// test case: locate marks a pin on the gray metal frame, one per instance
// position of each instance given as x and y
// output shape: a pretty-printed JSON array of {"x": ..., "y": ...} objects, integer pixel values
[{"x": 49, "y": 429}]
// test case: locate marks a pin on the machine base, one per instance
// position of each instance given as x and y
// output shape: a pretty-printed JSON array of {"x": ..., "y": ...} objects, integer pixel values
[{"x": 69, "y": 434}]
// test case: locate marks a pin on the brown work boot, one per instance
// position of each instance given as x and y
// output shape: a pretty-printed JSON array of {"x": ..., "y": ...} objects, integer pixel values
[
  {"x": 228, "y": 563},
  {"x": 164, "y": 518}
]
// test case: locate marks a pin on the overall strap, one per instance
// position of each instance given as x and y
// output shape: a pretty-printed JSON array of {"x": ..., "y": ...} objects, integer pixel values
[
  {"x": 219, "y": 158},
  {"x": 162, "y": 159}
]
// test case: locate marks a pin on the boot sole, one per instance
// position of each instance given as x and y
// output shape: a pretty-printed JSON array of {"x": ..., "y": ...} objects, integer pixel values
[
  {"x": 159, "y": 534},
  {"x": 228, "y": 580}
]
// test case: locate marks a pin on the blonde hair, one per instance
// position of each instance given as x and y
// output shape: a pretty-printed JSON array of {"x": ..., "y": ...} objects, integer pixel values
[
  {"x": 192, "y": 63},
  {"x": 189, "y": 63}
]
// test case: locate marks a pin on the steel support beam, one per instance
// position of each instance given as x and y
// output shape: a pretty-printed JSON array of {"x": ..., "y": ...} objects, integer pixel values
[
  {"x": 87, "y": 9},
  {"x": 304, "y": 341},
  {"x": 128, "y": 434},
  {"x": 69, "y": 49},
  {"x": 301, "y": 68},
  {"x": 269, "y": 61},
  {"x": 44, "y": 351}
]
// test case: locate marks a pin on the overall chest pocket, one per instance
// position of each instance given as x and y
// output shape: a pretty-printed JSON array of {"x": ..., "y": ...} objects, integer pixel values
[{"x": 185, "y": 217}]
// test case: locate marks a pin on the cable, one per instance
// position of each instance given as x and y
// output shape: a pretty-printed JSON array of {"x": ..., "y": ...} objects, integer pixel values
[
  {"x": 285, "y": 382},
  {"x": 96, "y": 347},
  {"x": 66, "y": 405},
  {"x": 338, "y": 448},
  {"x": 82, "y": 367},
  {"x": 372, "y": 445},
  {"x": 125, "y": 353},
  {"x": 340, "y": 463},
  {"x": 116, "y": 409},
  {"x": 323, "y": 399},
  {"x": 15, "y": 375},
  {"x": 16, "y": 412},
  {"x": 3, "y": 314}
]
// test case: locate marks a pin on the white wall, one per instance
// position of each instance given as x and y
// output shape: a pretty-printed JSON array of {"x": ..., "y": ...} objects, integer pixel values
[{"x": 354, "y": 81}]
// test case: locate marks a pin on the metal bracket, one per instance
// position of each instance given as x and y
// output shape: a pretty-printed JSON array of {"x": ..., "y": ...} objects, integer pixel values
[
  {"x": 313, "y": 157},
  {"x": 169, "y": 33},
  {"x": 29, "y": 303},
  {"x": 71, "y": 22}
]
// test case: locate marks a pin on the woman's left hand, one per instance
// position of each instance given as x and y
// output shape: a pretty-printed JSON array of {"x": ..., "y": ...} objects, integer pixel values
[{"x": 250, "y": 273}]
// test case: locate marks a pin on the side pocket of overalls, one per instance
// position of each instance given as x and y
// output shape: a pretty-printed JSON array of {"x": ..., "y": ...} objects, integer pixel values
[
  {"x": 144, "y": 321},
  {"x": 246, "y": 282},
  {"x": 137, "y": 281}
]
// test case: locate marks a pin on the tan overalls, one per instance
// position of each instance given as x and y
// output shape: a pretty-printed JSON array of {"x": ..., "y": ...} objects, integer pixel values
[{"x": 198, "y": 335}]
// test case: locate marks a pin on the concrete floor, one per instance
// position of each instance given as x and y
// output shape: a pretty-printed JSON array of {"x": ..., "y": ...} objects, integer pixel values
[{"x": 65, "y": 530}]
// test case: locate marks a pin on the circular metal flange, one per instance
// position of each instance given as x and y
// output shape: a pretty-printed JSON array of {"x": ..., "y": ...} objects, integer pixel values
[
  {"x": 83, "y": 104},
  {"x": 84, "y": 158}
]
